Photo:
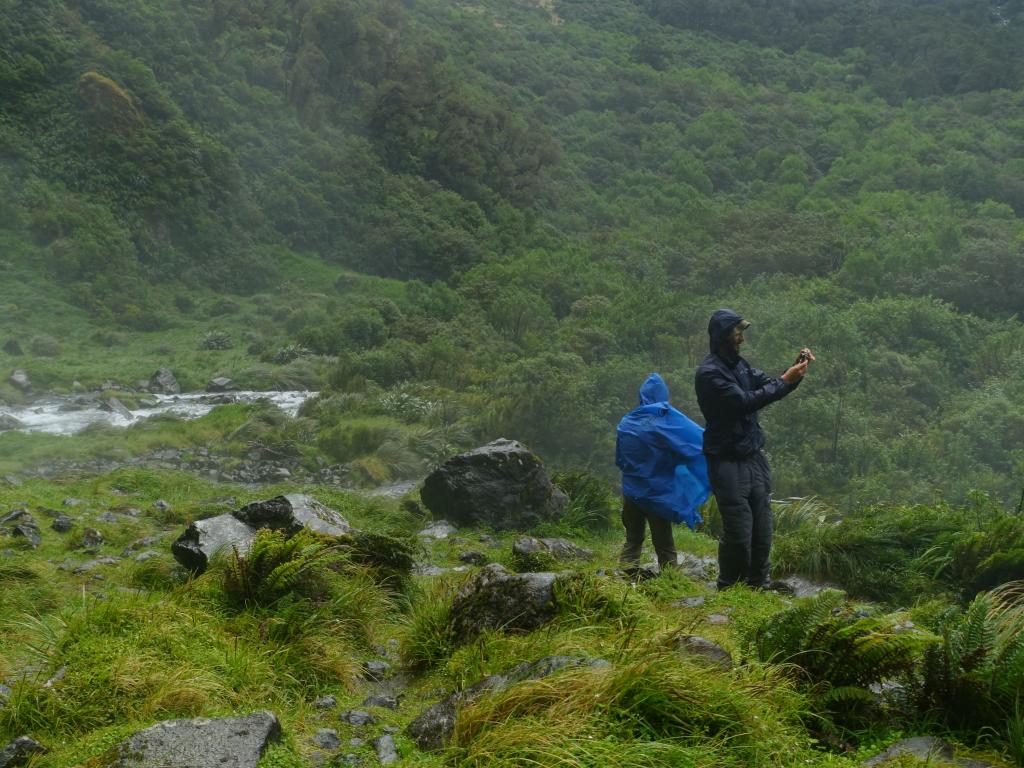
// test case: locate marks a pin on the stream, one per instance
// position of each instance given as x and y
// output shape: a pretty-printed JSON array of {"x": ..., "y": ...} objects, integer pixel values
[{"x": 70, "y": 414}]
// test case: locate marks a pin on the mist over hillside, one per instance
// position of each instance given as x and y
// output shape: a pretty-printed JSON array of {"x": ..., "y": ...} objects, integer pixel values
[{"x": 516, "y": 210}]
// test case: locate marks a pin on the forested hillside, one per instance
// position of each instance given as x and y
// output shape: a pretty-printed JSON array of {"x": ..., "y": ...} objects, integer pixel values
[{"x": 495, "y": 218}]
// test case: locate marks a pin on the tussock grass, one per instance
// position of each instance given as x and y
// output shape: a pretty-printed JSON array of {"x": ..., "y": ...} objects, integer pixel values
[
  {"x": 428, "y": 638},
  {"x": 654, "y": 706}
]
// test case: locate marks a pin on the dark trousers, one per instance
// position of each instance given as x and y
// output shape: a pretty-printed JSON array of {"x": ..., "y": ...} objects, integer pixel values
[
  {"x": 743, "y": 490},
  {"x": 634, "y": 520}
]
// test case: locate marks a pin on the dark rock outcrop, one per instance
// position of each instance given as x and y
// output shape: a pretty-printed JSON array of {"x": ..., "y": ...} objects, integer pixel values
[
  {"x": 19, "y": 751},
  {"x": 497, "y": 599},
  {"x": 163, "y": 382},
  {"x": 292, "y": 513},
  {"x": 21, "y": 524},
  {"x": 227, "y": 742},
  {"x": 501, "y": 485}
]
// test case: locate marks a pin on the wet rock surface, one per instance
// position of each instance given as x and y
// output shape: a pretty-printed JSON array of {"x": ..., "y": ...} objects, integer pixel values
[
  {"x": 228, "y": 742},
  {"x": 501, "y": 485},
  {"x": 205, "y": 538},
  {"x": 496, "y": 599},
  {"x": 293, "y": 512},
  {"x": 705, "y": 650},
  {"x": 19, "y": 751},
  {"x": 556, "y": 549},
  {"x": 933, "y": 750}
]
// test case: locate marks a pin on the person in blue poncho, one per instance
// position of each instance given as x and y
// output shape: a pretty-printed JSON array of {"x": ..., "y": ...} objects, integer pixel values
[{"x": 664, "y": 473}]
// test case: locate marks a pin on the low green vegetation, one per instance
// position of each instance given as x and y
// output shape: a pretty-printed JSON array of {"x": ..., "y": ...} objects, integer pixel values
[{"x": 95, "y": 653}]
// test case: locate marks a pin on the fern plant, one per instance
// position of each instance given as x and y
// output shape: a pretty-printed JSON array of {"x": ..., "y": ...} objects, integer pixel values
[
  {"x": 842, "y": 651},
  {"x": 277, "y": 565},
  {"x": 975, "y": 675}
]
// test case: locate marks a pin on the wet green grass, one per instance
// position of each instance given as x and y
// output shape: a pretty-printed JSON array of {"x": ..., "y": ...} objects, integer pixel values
[{"x": 144, "y": 642}]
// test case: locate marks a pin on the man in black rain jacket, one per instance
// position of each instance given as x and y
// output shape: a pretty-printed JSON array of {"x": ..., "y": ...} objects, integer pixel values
[{"x": 730, "y": 393}]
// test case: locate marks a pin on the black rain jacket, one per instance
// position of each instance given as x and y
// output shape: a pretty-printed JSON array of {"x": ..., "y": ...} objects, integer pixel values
[{"x": 730, "y": 393}]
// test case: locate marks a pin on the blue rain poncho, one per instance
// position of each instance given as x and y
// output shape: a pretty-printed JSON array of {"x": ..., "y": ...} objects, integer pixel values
[{"x": 659, "y": 451}]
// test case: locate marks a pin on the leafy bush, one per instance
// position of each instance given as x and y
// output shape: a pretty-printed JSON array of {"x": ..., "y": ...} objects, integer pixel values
[
  {"x": 290, "y": 352},
  {"x": 216, "y": 340}
]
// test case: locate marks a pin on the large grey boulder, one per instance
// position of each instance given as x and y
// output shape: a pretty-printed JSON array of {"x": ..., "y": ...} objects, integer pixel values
[
  {"x": 204, "y": 538},
  {"x": 19, "y": 751},
  {"x": 227, "y": 742},
  {"x": 501, "y": 485},
  {"x": 163, "y": 382},
  {"x": 496, "y": 599},
  {"x": 292, "y": 513},
  {"x": 433, "y": 728}
]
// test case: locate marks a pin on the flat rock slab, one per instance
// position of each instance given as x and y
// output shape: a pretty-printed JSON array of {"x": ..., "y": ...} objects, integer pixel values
[
  {"x": 387, "y": 752},
  {"x": 227, "y": 742},
  {"x": 558, "y": 549}
]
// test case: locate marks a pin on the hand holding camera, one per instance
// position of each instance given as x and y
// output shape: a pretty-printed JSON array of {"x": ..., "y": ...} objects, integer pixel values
[{"x": 799, "y": 369}]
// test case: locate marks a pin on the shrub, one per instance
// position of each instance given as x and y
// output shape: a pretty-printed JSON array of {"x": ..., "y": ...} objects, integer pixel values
[
  {"x": 44, "y": 346},
  {"x": 350, "y": 440},
  {"x": 276, "y": 565},
  {"x": 592, "y": 505},
  {"x": 290, "y": 352},
  {"x": 842, "y": 649},
  {"x": 975, "y": 675},
  {"x": 216, "y": 340}
]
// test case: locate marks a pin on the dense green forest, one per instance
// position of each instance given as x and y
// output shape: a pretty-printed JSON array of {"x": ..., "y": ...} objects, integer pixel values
[{"x": 495, "y": 218}]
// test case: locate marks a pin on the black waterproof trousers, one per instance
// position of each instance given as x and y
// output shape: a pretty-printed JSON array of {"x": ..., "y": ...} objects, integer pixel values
[
  {"x": 634, "y": 520},
  {"x": 743, "y": 488}
]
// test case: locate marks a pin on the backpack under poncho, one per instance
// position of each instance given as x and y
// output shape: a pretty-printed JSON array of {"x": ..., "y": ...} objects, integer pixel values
[{"x": 659, "y": 451}]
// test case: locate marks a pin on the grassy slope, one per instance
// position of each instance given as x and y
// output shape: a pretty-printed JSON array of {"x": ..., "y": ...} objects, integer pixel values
[{"x": 166, "y": 648}]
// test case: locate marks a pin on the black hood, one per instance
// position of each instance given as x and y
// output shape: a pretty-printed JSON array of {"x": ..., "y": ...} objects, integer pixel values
[{"x": 722, "y": 321}]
